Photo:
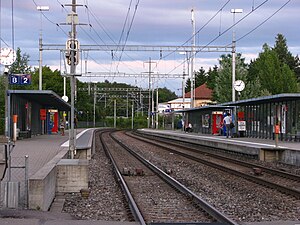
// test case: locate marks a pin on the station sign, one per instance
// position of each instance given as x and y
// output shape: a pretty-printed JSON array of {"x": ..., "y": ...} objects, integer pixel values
[
  {"x": 241, "y": 125},
  {"x": 20, "y": 79}
]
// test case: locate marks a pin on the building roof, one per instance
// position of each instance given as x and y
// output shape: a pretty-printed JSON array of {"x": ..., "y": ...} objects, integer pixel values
[
  {"x": 180, "y": 100},
  {"x": 208, "y": 108},
  {"x": 45, "y": 98},
  {"x": 201, "y": 92}
]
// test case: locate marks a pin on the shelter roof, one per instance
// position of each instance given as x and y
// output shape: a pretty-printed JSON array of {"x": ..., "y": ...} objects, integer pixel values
[
  {"x": 208, "y": 108},
  {"x": 265, "y": 99},
  {"x": 47, "y": 98}
]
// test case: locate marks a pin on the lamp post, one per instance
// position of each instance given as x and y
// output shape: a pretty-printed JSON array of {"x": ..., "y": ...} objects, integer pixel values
[
  {"x": 234, "y": 11},
  {"x": 41, "y": 9},
  {"x": 192, "y": 59}
]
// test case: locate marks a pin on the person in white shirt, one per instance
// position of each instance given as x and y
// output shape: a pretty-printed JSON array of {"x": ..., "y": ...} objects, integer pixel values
[{"x": 227, "y": 121}]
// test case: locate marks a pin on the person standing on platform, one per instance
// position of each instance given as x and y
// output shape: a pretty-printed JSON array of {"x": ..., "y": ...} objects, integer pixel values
[
  {"x": 227, "y": 122},
  {"x": 62, "y": 127}
]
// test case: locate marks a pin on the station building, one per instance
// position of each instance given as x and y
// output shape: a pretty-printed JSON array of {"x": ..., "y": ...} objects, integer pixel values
[{"x": 256, "y": 117}]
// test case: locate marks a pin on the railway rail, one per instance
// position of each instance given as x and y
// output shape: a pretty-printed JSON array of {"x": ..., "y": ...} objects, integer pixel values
[
  {"x": 155, "y": 196},
  {"x": 238, "y": 197},
  {"x": 282, "y": 181}
]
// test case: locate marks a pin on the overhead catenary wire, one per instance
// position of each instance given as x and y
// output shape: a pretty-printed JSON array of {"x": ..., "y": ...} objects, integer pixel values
[
  {"x": 263, "y": 22},
  {"x": 49, "y": 20},
  {"x": 127, "y": 34},
  {"x": 105, "y": 30},
  {"x": 222, "y": 33}
]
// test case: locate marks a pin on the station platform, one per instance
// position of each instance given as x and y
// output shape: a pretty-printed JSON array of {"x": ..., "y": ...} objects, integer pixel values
[
  {"x": 252, "y": 142},
  {"x": 286, "y": 151}
]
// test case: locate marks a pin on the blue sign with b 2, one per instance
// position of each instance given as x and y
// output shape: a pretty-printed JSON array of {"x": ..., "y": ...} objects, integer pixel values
[{"x": 20, "y": 79}]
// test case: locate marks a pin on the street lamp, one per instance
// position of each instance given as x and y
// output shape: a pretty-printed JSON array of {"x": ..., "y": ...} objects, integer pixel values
[
  {"x": 41, "y": 9},
  {"x": 234, "y": 11}
]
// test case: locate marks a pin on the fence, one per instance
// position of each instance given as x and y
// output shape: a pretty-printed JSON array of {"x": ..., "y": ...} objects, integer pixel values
[{"x": 14, "y": 186}]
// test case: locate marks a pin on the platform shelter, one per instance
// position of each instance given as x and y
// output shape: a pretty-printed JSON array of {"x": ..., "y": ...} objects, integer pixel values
[
  {"x": 207, "y": 119},
  {"x": 33, "y": 112},
  {"x": 257, "y": 117},
  {"x": 262, "y": 115}
]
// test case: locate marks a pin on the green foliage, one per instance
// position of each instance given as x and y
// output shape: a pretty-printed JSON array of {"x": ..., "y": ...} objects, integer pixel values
[
  {"x": 274, "y": 75},
  {"x": 285, "y": 56},
  {"x": 126, "y": 123},
  {"x": 201, "y": 77},
  {"x": 223, "y": 81},
  {"x": 20, "y": 66},
  {"x": 165, "y": 95}
]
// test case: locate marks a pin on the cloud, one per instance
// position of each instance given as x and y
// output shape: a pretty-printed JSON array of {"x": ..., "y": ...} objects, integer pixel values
[{"x": 166, "y": 22}]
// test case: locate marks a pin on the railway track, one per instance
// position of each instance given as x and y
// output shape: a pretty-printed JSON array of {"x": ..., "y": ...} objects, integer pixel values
[
  {"x": 282, "y": 181},
  {"x": 154, "y": 196}
]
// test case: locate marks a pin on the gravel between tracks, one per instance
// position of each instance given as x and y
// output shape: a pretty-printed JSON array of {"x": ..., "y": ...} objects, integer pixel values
[{"x": 106, "y": 201}]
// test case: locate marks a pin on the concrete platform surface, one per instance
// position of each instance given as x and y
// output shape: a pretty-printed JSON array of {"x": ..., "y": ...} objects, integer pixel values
[{"x": 252, "y": 142}]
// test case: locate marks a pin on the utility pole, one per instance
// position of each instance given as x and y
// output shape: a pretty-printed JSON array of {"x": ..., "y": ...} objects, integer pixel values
[
  {"x": 132, "y": 115},
  {"x": 150, "y": 87},
  {"x": 95, "y": 98},
  {"x": 41, "y": 9},
  {"x": 234, "y": 11},
  {"x": 192, "y": 59},
  {"x": 115, "y": 113},
  {"x": 73, "y": 17},
  {"x": 156, "y": 107}
]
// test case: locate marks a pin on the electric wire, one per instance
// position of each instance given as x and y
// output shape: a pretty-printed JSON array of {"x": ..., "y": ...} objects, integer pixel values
[
  {"x": 110, "y": 36},
  {"x": 263, "y": 22},
  {"x": 129, "y": 29},
  {"x": 56, "y": 24},
  {"x": 90, "y": 25},
  {"x": 221, "y": 34},
  {"x": 198, "y": 31}
]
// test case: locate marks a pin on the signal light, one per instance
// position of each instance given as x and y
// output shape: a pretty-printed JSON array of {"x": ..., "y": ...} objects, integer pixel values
[{"x": 72, "y": 52}]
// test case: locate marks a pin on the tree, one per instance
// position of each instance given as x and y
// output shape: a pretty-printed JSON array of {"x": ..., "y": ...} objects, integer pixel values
[
  {"x": 165, "y": 95},
  {"x": 223, "y": 80},
  {"x": 285, "y": 56},
  {"x": 200, "y": 78},
  {"x": 275, "y": 76},
  {"x": 211, "y": 80},
  {"x": 20, "y": 66}
]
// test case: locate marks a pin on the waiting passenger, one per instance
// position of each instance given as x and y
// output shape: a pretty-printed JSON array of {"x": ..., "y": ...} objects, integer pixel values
[
  {"x": 189, "y": 128},
  {"x": 227, "y": 122},
  {"x": 62, "y": 128}
]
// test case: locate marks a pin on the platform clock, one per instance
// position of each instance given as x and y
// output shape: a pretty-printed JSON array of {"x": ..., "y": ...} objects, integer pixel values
[
  {"x": 239, "y": 85},
  {"x": 7, "y": 56}
]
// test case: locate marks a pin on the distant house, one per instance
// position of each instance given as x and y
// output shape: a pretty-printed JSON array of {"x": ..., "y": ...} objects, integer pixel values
[
  {"x": 179, "y": 104},
  {"x": 163, "y": 107},
  {"x": 202, "y": 96}
]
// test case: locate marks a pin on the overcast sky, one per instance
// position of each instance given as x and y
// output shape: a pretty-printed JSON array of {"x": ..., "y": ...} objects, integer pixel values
[{"x": 164, "y": 22}]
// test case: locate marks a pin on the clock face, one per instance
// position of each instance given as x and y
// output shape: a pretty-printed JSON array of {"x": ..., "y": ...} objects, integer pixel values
[
  {"x": 239, "y": 85},
  {"x": 7, "y": 56}
]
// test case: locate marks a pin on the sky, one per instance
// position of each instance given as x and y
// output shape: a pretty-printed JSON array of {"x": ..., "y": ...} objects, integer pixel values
[{"x": 151, "y": 23}]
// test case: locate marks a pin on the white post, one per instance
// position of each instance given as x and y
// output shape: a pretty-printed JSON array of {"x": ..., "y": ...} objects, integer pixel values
[
  {"x": 192, "y": 59},
  {"x": 41, "y": 9},
  {"x": 234, "y": 11}
]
